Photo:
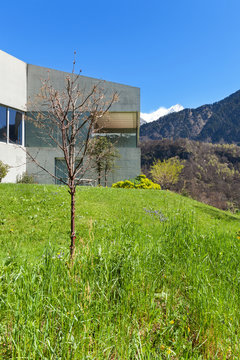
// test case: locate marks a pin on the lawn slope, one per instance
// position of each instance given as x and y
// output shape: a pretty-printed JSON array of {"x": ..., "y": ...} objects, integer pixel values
[{"x": 155, "y": 276}]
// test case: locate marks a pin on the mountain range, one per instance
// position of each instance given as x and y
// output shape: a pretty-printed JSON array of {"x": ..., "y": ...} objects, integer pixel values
[{"x": 217, "y": 123}]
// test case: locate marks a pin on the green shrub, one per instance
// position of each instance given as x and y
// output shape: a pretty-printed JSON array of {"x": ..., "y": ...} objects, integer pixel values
[
  {"x": 139, "y": 182},
  {"x": 3, "y": 170},
  {"x": 166, "y": 172},
  {"x": 25, "y": 178}
]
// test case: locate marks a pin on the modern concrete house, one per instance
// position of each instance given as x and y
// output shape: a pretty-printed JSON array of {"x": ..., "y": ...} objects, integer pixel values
[{"x": 19, "y": 83}]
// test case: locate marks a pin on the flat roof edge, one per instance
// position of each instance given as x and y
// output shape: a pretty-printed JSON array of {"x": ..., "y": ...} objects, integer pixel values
[
  {"x": 83, "y": 76},
  {"x": 14, "y": 57}
]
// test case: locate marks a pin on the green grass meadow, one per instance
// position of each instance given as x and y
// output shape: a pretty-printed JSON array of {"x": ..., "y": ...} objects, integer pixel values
[{"x": 155, "y": 276}]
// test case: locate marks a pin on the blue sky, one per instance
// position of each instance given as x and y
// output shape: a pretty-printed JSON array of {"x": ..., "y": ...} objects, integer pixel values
[{"x": 176, "y": 51}]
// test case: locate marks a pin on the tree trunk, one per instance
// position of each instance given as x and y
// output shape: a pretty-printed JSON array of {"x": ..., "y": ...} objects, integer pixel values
[
  {"x": 99, "y": 174},
  {"x": 73, "y": 234},
  {"x": 105, "y": 178}
]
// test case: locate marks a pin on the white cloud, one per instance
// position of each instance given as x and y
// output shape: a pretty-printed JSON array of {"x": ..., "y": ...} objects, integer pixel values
[{"x": 162, "y": 111}]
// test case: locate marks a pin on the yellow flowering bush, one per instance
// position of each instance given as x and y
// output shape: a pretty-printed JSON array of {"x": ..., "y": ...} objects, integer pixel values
[{"x": 139, "y": 182}]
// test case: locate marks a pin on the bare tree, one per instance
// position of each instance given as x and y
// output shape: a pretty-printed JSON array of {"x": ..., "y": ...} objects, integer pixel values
[{"x": 69, "y": 119}]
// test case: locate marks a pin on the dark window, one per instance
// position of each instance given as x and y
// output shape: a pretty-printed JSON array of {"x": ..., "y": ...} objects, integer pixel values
[
  {"x": 3, "y": 124},
  {"x": 15, "y": 127},
  {"x": 61, "y": 170}
]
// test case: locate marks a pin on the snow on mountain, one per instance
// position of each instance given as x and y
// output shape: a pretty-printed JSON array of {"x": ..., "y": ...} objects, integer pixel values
[{"x": 162, "y": 111}]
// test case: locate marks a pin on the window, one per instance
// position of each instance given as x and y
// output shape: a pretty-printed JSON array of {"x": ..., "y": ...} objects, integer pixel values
[
  {"x": 15, "y": 127},
  {"x": 11, "y": 126},
  {"x": 3, "y": 124}
]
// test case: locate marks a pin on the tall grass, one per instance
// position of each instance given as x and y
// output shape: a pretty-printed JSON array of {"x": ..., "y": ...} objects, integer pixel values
[{"x": 168, "y": 289}]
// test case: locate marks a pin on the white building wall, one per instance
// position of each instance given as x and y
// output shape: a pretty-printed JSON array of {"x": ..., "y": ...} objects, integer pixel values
[
  {"x": 13, "y": 94},
  {"x": 13, "y": 82},
  {"x": 15, "y": 157}
]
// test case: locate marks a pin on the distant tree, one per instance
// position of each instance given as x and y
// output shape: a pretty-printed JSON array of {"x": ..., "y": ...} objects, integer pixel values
[
  {"x": 3, "y": 170},
  {"x": 103, "y": 155},
  {"x": 166, "y": 172}
]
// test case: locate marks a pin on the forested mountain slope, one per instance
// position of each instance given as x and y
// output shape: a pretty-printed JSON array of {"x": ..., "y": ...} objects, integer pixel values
[
  {"x": 211, "y": 172},
  {"x": 215, "y": 123}
]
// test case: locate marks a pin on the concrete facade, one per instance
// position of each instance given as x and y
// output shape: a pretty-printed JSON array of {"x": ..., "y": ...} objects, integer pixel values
[
  {"x": 126, "y": 167},
  {"x": 13, "y": 82},
  {"x": 129, "y": 96},
  {"x": 20, "y": 82},
  {"x": 15, "y": 157}
]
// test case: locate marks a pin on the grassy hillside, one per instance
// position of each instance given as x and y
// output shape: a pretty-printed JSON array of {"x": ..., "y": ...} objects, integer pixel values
[{"x": 156, "y": 276}]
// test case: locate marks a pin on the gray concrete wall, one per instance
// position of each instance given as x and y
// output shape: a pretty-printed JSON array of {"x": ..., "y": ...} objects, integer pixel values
[
  {"x": 45, "y": 156},
  {"x": 15, "y": 157},
  {"x": 13, "y": 82},
  {"x": 129, "y": 96},
  {"x": 127, "y": 166}
]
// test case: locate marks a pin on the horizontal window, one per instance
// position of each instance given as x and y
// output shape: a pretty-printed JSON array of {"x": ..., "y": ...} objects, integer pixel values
[{"x": 119, "y": 120}]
